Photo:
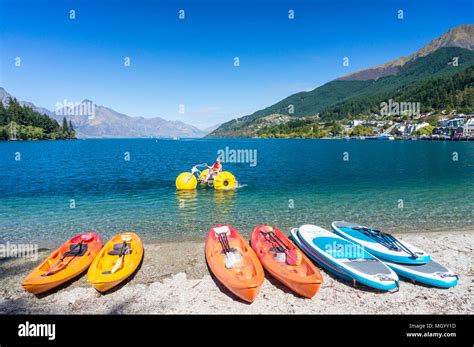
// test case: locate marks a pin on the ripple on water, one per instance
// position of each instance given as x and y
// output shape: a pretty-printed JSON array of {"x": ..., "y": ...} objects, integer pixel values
[{"x": 399, "y": 186}]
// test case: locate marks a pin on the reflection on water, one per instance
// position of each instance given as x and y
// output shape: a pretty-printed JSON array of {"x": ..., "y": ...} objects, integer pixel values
[
  {"x": 197, "y": 210},
  {"x": 187, "y": 200},
  {"x": 224, "y": 201}
]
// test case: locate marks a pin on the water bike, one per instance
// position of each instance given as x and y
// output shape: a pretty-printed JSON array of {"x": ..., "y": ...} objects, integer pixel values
[{"x": 223, "y": 180}]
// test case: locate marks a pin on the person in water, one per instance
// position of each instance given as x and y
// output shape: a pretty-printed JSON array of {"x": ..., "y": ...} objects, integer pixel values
[{"x": 213, "y": 170}]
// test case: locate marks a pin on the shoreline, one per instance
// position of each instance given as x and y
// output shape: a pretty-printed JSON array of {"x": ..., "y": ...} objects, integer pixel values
[
  {"x": 396, "y": 138},
  {"x": 174, "y": 279},
  {"x": 47, "y": 246}
]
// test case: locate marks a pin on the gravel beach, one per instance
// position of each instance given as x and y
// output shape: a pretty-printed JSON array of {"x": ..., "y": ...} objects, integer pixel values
[{"x": 174, "y": 279}]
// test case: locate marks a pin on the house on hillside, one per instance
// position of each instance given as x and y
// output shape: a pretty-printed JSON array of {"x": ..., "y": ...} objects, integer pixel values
[
  {"x": 412, "y": 128},
  {"x": 355, "y": 122}
]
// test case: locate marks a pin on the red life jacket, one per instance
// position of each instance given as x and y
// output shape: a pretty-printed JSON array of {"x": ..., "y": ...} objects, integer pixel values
[{"x": 217, "y": 166}]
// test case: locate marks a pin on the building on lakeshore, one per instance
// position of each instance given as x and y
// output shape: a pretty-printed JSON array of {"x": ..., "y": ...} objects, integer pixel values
[
  {"x": 450, "y": 127},
  {"x": 468, "y": 128},
  {"x": 408, "y": 129}
]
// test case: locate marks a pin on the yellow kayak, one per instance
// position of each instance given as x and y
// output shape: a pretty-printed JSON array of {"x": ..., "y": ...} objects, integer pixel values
[{"x": 117, "y": 261}]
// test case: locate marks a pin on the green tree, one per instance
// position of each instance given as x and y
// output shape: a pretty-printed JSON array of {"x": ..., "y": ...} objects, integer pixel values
[
  {"x": 4, "y": 134},
  {"x": 71, "y": 128},
  {"x": 65, "y": 127},
  {"x": 15, "y": 112},
  {"x": 427, "y": 130},
  {"x": 31, "y": 125},
  {"x": 3, "y": 115},
  {"x": 362, "y": 130},
  {"x": 336, "y": 130}
]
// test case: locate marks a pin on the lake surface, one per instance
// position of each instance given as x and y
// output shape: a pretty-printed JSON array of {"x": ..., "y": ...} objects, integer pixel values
[{"x": 395, "y": 185}]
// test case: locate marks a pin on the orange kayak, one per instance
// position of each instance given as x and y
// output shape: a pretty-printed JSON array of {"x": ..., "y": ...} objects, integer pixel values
[
  {"x": 117, "y": 261},
  {"x": 65, "y": 263},
  {"x": 233, "y": 262},
  {"x": 284, "y": 261}
]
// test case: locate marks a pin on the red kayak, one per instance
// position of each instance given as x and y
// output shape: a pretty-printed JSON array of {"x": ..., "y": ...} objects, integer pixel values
[{"x": 284, "y": 261}]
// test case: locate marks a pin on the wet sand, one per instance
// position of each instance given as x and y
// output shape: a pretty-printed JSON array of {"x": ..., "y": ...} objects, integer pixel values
[{"x": 174, "y": 279}]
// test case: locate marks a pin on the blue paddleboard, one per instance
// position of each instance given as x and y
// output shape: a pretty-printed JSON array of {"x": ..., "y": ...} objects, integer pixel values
[
  {"x": 341, "y": 256},
  {"x": 382, "y": 245},
  {"x": 431, "y": 273}
]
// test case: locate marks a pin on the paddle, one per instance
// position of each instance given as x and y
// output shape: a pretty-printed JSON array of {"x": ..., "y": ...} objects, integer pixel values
[
  {"x": 386, "y": 240},
  {"x": 59, "y": 265},
  {"x": 400, "y": 245},
  {"x": 291, "y": 256},
  {"x": 232, "y": 256},
  {"x": 117, "y": 265}
]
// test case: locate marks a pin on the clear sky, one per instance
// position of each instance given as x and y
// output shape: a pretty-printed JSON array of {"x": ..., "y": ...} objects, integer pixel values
[{"x": 190, "y": 62}]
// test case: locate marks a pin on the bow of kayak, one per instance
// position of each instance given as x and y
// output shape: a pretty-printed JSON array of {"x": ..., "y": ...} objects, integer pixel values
[
  {"x": 117, "y": 261},
  {"x": 233, "y": 262},
  {"x": 65, "y": 263},
  {"x": 284, "y": 261}
]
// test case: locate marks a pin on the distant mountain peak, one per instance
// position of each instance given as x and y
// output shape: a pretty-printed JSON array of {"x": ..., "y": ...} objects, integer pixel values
[
  {"x": 105, "y": 122},
  {"x": 461, "y": 36},
  {"x": 361, "y": 92}
]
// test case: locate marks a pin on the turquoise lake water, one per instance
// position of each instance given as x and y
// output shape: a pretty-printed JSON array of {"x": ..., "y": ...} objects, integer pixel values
[{"x": 293, "y": 182}]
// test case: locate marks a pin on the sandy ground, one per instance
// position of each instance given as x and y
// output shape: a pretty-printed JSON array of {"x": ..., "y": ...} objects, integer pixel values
[{"x": 174, "y": 279}]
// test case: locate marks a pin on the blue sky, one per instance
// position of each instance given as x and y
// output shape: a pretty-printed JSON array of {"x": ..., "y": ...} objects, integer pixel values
[{"x": 190, "y": 62}]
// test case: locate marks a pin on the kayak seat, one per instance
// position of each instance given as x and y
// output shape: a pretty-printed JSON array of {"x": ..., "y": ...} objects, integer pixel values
[
  {"x": 118, "y": 249},
  {"x": 76, "y": 250}
]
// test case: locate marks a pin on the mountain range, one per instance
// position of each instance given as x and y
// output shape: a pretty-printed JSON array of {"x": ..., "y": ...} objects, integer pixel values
[
  {"x": 437, "y": 63},
  {"x": 437, "y": 75},
  {"x": 107, "y": 123}
]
